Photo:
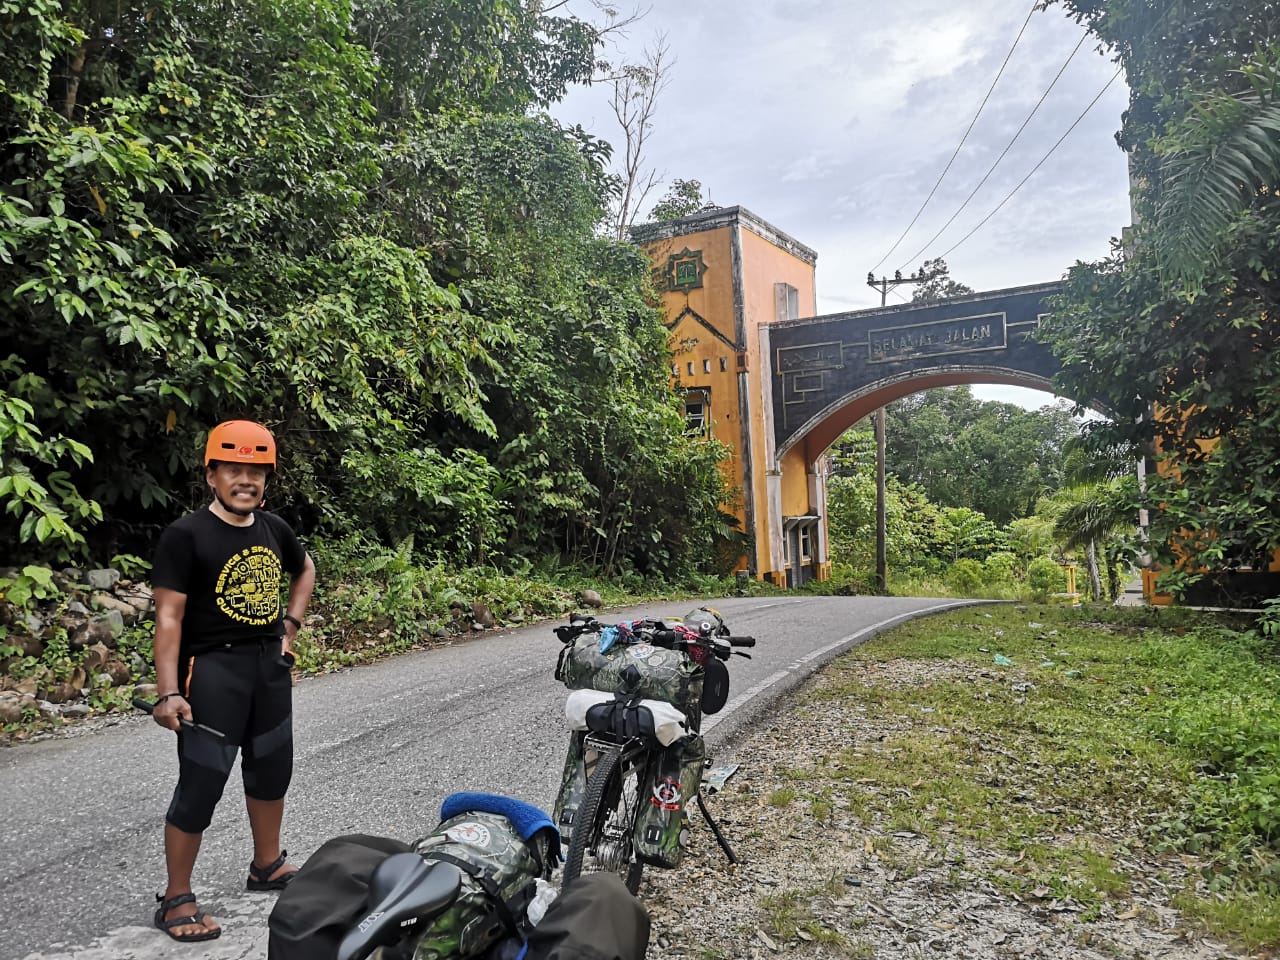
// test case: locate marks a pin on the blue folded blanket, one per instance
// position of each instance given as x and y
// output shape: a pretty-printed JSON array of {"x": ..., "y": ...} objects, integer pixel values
[{"x": 525, "y": 817}]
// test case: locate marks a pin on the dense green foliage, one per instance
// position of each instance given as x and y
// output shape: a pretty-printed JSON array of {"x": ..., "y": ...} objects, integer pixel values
[
  {"x": 1048, "y": 500},
  {"x": 996, "y": 458},
  {"x": 350, "y": 220},
  {"x": 1181, "y": 322}
]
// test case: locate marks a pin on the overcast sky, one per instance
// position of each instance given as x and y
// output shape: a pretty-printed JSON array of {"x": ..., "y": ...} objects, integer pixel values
[{"x": 833, "y": 121}]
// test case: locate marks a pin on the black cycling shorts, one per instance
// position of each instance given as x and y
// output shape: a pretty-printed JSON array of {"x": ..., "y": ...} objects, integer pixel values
[{"x": 245, "y": 691}]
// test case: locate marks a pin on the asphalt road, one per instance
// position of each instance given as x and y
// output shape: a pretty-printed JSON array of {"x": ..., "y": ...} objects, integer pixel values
[{"x": 378, "y": 748}]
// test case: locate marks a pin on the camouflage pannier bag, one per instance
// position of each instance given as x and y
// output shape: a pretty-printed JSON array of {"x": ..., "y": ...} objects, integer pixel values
[
  {"x": 498, "y": 872},
  {"x": 652, "y": 672}
]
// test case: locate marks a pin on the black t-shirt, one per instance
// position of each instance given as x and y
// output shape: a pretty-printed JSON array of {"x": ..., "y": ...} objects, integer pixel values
[{"x": 231, "y": 576}]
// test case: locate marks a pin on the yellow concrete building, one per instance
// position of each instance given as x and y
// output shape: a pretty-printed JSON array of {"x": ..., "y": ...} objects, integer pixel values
[{"x": 724, "y": 275}]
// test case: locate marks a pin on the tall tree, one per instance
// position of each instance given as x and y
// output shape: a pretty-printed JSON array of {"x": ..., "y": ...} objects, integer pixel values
[
  {"x": 1217, "y": 160},
  {"x": 963, "y": 452},
  {"x": 304, "y": 214},
  {"x": 1188, "y": 361},
  {"x": 635, "y": 102},
  {"x": 939, "y": 284}
]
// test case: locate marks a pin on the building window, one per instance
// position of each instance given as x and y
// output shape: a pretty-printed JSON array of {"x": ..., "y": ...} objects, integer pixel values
[
  {"x": 786, "y": 300},
  {"x": 806, "y": 542},
  {"x": 691, "y": 368},
  {"x": 724, "y": 364},
  {"x": 706, "y": 366},
  {"x": 697, "y": 412}
]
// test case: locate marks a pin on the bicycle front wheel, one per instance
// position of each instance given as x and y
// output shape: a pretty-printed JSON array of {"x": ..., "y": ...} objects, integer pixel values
[{"x": 602, "y": 840}]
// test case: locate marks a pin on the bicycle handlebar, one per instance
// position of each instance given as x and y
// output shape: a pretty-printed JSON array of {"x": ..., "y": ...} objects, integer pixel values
[{"x": 657, "y": 633}]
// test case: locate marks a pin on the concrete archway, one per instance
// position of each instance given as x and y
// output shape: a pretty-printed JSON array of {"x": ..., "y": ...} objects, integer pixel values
[
  {"x": 777, "y": 385},
  {"x": 827, "y": 373},
  {"x": 826, "y": 426}
]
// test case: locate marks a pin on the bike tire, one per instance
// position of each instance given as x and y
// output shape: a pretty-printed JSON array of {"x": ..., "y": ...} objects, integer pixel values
[{"x": 602, "y": 840}]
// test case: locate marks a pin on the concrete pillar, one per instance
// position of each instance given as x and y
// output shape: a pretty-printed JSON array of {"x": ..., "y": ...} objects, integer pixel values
[
  {"x": 773, "y": 530},
  {"x": 768, "y": 529},
  {"x": 818, "y": 507}
]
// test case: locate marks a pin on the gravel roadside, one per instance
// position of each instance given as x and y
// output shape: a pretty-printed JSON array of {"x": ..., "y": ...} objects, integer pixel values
[{"x": 826, "y": 883}]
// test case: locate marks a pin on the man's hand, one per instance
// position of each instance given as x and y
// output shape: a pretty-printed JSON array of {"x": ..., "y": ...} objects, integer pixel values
[{"x": 168, "y": 710}]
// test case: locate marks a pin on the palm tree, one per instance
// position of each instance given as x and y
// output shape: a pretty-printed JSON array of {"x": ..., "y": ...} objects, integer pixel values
[
  {"x": 1098, "y": 515},
  {"x": 1217, "y": 161}
]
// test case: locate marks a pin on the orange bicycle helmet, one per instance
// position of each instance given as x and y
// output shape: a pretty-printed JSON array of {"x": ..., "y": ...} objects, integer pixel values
[{"x": 241, "y": 441}]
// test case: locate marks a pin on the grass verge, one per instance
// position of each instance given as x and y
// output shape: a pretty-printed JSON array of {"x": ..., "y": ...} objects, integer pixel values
[{"x": 1091, "y": 750}]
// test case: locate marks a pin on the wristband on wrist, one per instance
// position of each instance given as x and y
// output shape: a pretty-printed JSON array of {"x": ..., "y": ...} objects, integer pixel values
[
  {"x": 292, "y": 619},
  {"x": 160, "y": 700}
]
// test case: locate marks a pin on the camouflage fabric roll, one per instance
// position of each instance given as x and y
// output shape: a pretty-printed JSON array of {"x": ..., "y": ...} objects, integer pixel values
[
  {"x": 489, "y": 843},
  {"x": 652, "y": 672}
]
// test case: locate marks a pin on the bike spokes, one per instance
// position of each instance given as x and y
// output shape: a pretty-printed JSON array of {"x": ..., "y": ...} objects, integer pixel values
[{"x": 602, "y": 837}]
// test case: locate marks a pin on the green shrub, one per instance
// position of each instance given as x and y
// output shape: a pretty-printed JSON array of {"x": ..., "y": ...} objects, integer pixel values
[
  {"x": 1222, "y": 710},
  {"x": 845, "y": 581},
  {"x": 966, "y": 576},
  {"x": 1001, "y": 567},
  {"x": 1045, "y": 577}
]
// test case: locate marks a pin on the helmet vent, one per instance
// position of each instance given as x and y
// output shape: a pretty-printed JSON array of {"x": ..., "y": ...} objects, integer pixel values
[{"x": 241, "y": 441}]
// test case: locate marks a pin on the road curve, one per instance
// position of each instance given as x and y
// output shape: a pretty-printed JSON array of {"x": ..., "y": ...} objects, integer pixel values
[{"x": 378, "y": 748}]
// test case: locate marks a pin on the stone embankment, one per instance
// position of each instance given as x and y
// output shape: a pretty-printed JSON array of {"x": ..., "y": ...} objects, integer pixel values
[
  {"x": 68, "y": 651},
  {"x": 55, "y": 657}
]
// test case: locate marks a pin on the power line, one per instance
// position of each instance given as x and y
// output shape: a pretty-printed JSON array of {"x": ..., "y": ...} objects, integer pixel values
[
  {"x": 1092, "y": 103},
  {"x": 1003, "y": 153},
  {"x": 1009, "y": 197},
  {"x": 981, "y": 106}
]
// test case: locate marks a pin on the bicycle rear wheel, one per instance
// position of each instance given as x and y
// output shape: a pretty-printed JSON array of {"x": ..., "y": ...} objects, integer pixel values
[{"x": 603, "y": 829}]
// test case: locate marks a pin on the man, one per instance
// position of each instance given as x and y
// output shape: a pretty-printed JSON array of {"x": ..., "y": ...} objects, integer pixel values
[{"x": 223, "y": 655}]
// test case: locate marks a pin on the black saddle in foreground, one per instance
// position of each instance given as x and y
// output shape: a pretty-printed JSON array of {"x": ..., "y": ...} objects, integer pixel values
[{"x": 405, "y": 894}]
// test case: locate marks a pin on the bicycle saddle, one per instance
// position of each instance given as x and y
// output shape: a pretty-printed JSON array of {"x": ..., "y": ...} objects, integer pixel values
[{"x": 405, "y": 893}]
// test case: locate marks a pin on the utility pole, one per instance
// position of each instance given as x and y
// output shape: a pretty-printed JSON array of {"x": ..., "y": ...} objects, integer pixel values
[{"x": 884, "y": 285}]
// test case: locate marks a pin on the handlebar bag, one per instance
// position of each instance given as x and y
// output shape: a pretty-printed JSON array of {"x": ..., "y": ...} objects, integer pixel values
[
  {"x": 636, "y": 669},
  {"x": 715, "y": 686}
]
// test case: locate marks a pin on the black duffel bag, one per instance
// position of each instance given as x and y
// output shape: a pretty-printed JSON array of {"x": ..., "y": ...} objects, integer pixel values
[{"x": 327, "y": 897}]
